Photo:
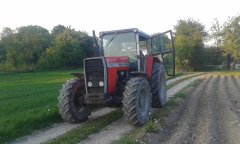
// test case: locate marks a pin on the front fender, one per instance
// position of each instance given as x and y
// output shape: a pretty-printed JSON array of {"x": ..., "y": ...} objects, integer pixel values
[{"x": 79, "y": 75}]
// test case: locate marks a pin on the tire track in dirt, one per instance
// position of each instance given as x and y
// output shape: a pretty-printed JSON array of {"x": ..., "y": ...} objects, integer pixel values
[
  {"x": 208, "y": 115},
  {"x": 235, "y": 99},
  {"x": 229, "y": 116},
  {"x": 208, "y": 125}
]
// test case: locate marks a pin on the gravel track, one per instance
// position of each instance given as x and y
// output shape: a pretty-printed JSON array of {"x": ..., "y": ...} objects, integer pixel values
[
  {"x": 210, "y": 114},
  {"x": 58, "y": 129},
  {"x": 182, "y": 77}
]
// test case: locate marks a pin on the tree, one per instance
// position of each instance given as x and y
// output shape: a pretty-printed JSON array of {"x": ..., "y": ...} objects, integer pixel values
[
  {"x": 35, "y": 40},
  {"x": 227, "y": 36},
  {"x": 31, "y": 47},
  {"x": 12, "y": 50},
  {"x": 189, "y": 38},
  {"x": 69, "y": 49},
  {"x": 2, "y": 53},
  {"x": 213, "y": 56},
  {"x": 57, "y": 30}
]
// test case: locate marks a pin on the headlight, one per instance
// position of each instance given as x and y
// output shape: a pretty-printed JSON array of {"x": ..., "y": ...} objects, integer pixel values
[
  {"x": 101, "y": 83},
  {"x": 89, "y": 84}
]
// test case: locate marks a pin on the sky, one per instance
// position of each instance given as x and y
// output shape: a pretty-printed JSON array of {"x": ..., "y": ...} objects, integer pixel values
[{"x": 150, "y": 16}]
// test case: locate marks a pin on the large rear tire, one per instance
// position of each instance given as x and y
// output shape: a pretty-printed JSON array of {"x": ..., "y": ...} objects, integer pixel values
[
  {"x": 158, "y": 85},
  {"x": 70, "y": 101},
  {"x": 137, "y": 101}
]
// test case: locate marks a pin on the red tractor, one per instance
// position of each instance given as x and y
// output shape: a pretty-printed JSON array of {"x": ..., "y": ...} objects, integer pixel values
[{"x": 130, "y": 70}]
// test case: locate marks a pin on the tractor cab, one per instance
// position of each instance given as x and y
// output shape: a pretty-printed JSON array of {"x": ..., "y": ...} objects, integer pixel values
[
  {"x": 123, "y": 43},
  {"x": 135, "y": 44}
]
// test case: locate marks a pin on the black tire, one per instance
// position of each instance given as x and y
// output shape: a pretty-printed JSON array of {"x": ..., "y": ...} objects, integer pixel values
[
  {"x": 158, "y": 85},
  {"x": 70, "y": 101},
  {"x": 137, "y": 101}
]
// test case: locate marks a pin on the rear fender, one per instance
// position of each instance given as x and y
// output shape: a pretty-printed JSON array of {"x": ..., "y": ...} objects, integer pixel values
[{"x": 148, "y": 65}]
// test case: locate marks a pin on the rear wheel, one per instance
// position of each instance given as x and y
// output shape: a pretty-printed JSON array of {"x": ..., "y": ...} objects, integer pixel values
[
  {"x": 158, "y": 85},
  {"x": 70, "y": 101},
  {"x": 137, "y": 101}
]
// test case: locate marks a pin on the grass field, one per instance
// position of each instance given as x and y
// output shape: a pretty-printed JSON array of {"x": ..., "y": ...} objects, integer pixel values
[{"x": 28, "y": 101}]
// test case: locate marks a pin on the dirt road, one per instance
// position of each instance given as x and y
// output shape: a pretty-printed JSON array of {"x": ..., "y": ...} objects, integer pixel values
[{"x": 210, "y": 114}]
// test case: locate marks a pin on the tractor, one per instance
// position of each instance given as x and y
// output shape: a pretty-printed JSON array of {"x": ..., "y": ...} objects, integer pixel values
[{"x": 129, "y": 70}]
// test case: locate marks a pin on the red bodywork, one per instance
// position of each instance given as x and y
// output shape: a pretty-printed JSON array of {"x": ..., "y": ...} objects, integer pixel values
[
  {"x": 148, "y": 66},
  {"x": 121, "y": 63},
  {"x": 115, "y": 64}
]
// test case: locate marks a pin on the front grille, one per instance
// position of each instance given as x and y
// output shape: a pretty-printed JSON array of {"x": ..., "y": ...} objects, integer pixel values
[{"x": 94, "y": 71}]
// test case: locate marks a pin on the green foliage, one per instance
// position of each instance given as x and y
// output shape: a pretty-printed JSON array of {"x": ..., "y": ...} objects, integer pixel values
[
  {"x": 33, "y": 47},
  {"x": 213, "y": 58},
  {"x": 189, "y": 38},
  {"x": 35, "y": 40},
  {"x": 57, "y": 30},
  {"x": 69, "y": 48},
  {"x": 227, "y": 37},
  {"x": 23, "y": 47}
]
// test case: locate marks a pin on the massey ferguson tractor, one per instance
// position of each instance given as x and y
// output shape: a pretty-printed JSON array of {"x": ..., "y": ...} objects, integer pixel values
[{"x": 130, "y": 69}]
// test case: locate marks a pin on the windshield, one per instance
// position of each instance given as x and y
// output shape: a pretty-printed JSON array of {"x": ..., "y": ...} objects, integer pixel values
[{"x": 120, "y": 44}]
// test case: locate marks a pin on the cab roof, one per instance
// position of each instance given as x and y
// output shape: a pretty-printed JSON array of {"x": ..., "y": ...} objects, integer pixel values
[{"x": 135, "y": 30}]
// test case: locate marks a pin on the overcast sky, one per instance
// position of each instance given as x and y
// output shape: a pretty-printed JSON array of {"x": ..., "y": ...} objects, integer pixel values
[{"x": 150, "y": 16}]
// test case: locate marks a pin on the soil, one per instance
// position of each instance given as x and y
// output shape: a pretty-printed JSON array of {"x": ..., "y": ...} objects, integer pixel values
[{"x": 210, "y": 114}]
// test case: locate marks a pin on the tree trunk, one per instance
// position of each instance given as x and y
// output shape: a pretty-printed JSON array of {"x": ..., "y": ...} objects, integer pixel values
[
  {"x": 234, "y": 64},
  {"x": 228, "y": 61}
]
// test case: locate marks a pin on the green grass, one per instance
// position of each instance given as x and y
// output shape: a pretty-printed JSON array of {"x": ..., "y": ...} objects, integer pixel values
[
  {"x": 156, "y": 121},
  {"x": 228, "y": 73},
  {"x": 28, "y": 101},
  {"x": 94, "y": 126}
]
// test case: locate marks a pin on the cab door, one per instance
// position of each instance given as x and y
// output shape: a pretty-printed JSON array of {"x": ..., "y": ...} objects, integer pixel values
[{"x": 162, "y": 47}]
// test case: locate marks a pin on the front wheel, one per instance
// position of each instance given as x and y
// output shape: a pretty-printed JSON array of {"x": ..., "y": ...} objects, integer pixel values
[
  {"x": 137, "y": 101},
  {"x": 70, "y": 101}
]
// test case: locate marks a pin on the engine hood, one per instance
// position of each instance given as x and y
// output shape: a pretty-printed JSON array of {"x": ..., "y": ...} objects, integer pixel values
[{"x": 117, "y": 61}]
